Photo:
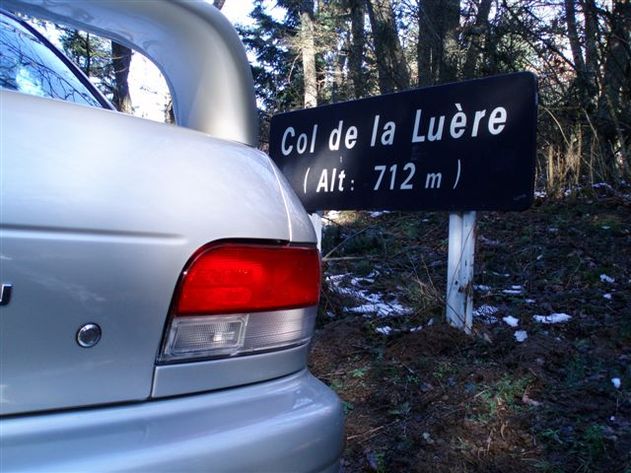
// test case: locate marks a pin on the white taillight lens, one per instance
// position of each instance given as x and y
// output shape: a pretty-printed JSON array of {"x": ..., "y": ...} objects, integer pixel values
[
  {"x": 229, "y": 335},
  {"x": 194, "y": 336},
  {"x": 236, "y": 299}
]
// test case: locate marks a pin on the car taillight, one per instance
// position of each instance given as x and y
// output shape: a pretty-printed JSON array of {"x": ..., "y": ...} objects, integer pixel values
[{"x": 238, "y": 298}]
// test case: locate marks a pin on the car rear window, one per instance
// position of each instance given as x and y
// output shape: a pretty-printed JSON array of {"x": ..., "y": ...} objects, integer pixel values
[{"x": 28, "y": 65}]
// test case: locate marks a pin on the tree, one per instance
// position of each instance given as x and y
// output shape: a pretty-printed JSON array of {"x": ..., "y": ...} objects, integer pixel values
[
  {"x": 277, "y": 80},
  {"x": 476, "y": 36},
  {"x": 438, "y": 47},
  {"x": 105, "y": 62},
  {"x": 358, "y": 47},
  {"x": 393, "y": 70},
  {"x": 306, "y": 44},
  {"x": 121, "y": 60},
  {"x": 92, "y": 54},
  {"x": 614, "y": 100}
]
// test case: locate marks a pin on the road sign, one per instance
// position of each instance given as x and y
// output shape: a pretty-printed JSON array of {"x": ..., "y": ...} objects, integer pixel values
[{"x": 462, "y": 146}]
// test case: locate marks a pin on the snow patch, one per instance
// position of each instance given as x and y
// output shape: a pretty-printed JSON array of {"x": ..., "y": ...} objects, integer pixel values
[
  {"x": 514, "y": 290},
  {"x": 386, "y": 330},
  {"x": 608, "y": 296},
  {"x": 368, "y": 302},
  {"x": 481, "y": 288},
  {"x": 529, "y": 301},
  {"x": 370, "y": 279},
  {"x": 608, "y": 279},
  {"x": 336, "y": 277},
  {"x": 381, "y": 309},
  {"x": 616, "y": 382},
  {"x": 520, "y": 336},
  {"x": 485, "y": 310},
  {"x": 510, "y": 320},
  {"x": 486, "y": 313},
  {"x": 331, "y": 217},
  {"x": 488, "y": 241},
  {"x": 378, "y": 213},
  {"x": 552, "y": 318}
]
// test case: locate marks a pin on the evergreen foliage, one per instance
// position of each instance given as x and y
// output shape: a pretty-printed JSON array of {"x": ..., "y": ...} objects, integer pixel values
[
  {"x": 93, "y": 56},
  {"x": 580, "y": 50}
]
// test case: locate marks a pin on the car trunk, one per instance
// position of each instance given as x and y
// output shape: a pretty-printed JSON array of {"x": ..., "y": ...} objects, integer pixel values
[{"x": 100, "y": 213}]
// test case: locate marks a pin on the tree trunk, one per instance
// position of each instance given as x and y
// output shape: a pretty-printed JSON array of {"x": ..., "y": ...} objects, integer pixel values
[
  {"x": 169, "y": 115},
  {"x": 358, "y": 45},
  {"x": 337, "y": 88},
  {"x": 614, "y": 109},
  {"x": 582, "y": 81},
  {"x": 572, "y": 34},
  {"x": 393, "y": 72},
  {"x": 450, "y": 11},
  {"x": 617, "y": 70},
  {"x": 438, "y": 51},
  {"x": 477, "y": 36},
  {"x": 307, "y": 45},
  {"x": 88, "y": 55},
  {"x": 591, "y": 45},
  {"x": 424, "y": 46},
  {"x": 121, "y": 59}
]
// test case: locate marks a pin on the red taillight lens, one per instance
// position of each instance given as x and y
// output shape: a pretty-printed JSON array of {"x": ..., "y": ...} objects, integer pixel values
[
  {"x": 240, "y": 278},
  {"x": 236, "y": 299}
]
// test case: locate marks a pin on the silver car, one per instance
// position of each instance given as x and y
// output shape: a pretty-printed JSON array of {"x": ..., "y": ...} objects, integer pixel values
[{"x": 159, "y": 283}]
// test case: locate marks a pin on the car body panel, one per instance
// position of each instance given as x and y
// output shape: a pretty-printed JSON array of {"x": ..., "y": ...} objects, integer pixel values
[
  {"x": 184, "y": 378},
  {"x": 136, "y": 205},
  {"x": 286, "y": 425},
  {"x": 99, "y": 215},
  {"x": 302, "y": 228}
]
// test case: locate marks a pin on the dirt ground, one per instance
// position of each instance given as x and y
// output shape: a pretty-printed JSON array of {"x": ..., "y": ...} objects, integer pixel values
[{"x": 422, "y": 396}]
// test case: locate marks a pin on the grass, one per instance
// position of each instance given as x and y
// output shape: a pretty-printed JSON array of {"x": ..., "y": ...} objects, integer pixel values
[
  {"x": 500, "y": 398},
  {"x": 436, "y": 400}
]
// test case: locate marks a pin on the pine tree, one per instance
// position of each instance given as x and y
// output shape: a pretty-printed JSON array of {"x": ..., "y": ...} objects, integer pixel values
[
  {"x": 92, "y": 55},
  {"x": 278, "y": 71}
]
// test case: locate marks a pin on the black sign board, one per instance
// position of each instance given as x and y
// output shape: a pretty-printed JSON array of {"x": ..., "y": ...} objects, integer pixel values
[{"x": 461, "y": 146}]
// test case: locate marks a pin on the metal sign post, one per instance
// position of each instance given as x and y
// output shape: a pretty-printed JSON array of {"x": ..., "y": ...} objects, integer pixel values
[{"x": 460, "y": 260}]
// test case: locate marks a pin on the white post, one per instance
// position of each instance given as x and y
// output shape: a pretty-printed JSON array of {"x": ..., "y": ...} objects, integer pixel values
[
  {"x": 460, "y": 270},
  {"x": 316, "y": 221}
]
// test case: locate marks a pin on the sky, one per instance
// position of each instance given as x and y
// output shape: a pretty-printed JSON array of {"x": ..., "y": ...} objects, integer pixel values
[
  {"x": 237, "y": 10},
  {"x": 148, "y": 88}
]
